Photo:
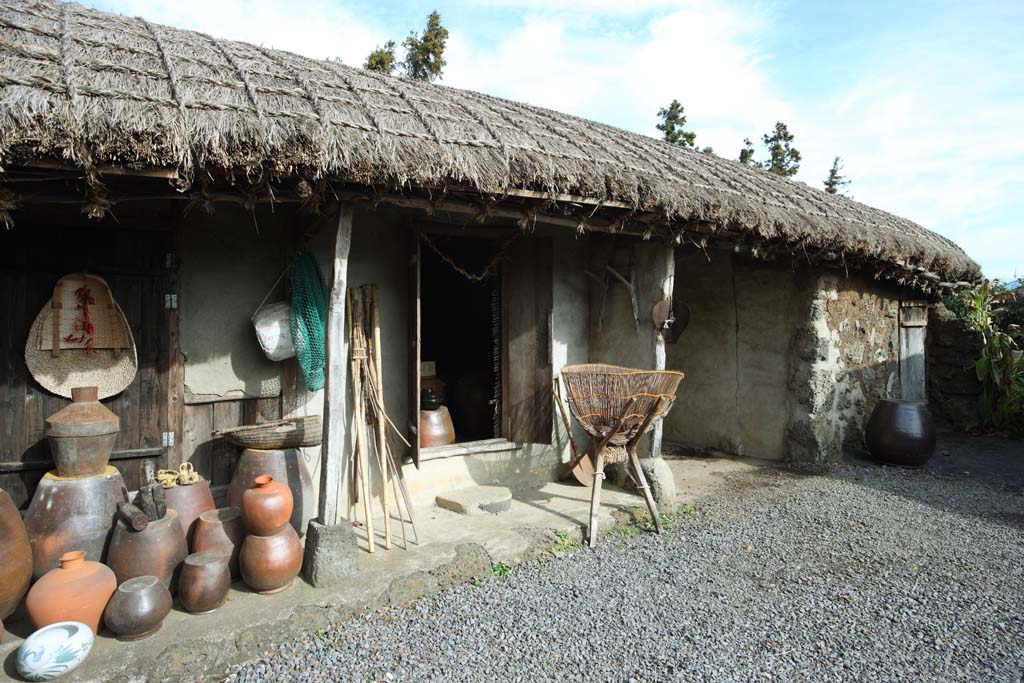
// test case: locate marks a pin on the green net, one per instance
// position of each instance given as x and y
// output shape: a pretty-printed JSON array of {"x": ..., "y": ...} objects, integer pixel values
[{"x": 308, "y": 319}]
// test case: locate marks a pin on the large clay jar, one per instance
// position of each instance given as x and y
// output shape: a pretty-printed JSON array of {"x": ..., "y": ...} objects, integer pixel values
[
  {"x": 436, "y": 428},
  {"x": 158, "y": 550},
  {"x": 286, "y": 466},
  {"x": 137, "y": 608},
  {"x": 222, "y": 529},
  {"x": 190, "y": 501},
  {"x": 72, "y": 514},
  {"x": 205, "y": 580},
  {"x": 267, "y": 506},
  {"x": 900, "y": 433},
  {"x": 270, "y": 563},
  {"x": 82, "y": 434},
  {"x": 15, "y": 557},
  {"x": 78, "y": 590}
]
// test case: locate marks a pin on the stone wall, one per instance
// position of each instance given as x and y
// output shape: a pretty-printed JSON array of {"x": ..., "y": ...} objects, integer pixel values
[
  {"x": 844, "y": 359},
  {"x": 951, "y": 348}
]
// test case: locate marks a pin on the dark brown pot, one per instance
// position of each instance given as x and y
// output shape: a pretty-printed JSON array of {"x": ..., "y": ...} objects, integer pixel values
[
  {"x": 72, "y": 514},
  {"x": 190, "y": 501},
  {"x": 900, "y": 433},
  {"x": 205, "y": 580},
  {"x": 82, "y": 434},
  {"x": 78, "y": 590},
  {"x": 436, "y": 428},
  {"x": 285, "y": 466},
  {"x": 15, "y": 557},
  {"x": 158, "y": 550},
  {"x": 267, "y": 506},
  {"x": 137, "y": 608},
  {"x": 270, "y": 563},
  {"x": 224, "y": 530}
]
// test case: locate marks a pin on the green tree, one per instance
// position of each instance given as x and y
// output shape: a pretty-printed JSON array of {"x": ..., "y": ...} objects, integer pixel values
[
  {"x": 424, "y": 53},
  {"x": 747, "y": 153},
  {"x": 783, "y": 158},
  {"x": 673, "y": 118},
  {"x": 382, "y": 59},
  {"x": 708, "y": 150},
  {"x": 835, "y": 183}
]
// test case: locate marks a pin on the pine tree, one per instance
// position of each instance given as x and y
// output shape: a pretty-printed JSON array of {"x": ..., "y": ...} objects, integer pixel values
[
  {"x": 835, "y": 183},
  {"x": 783, "y": 158},
  {"x": 424, "y": 53},
  {"x": 382, "y": 59},
  {"x": 747, "y": 153},
  {"x": 673, "y": 119}
]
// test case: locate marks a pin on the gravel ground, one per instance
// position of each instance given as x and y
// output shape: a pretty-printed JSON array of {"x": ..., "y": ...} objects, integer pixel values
[{"x": 870, "y": 574}]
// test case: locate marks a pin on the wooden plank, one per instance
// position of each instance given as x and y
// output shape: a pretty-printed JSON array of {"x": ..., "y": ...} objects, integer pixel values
[
  {"x": 174, "y": 379},
  {"x": 415, "y": 343},
  {"x": 45, "y": 465},
  {"x": 913, "y": 318},
  {"x": 197, "y": 444},
  {"x": 527, "y": 284},
  {"x": 335, "y": 409},
  {"x": 223, "y": 453}
]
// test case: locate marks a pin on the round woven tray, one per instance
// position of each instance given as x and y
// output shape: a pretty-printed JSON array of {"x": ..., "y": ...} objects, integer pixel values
[{"x": 297, "y": 432}]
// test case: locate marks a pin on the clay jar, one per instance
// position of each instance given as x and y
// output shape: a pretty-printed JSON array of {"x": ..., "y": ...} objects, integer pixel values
[
  {"x": 267, "y": 506},
  {"x": 78, "y": 590},
  {"x": 286, "y": 466},
  {"x": 137, "y": 608},
  {"x": 158, "y": 550},
  {"x": 190, "y": 501},
  {"x": 72, "y": 514},
  {"x": 436, "y": 428},
  {"x": 900, "y": 433},
  {"x": 15, "y": 557},
  {"x": 205, "y": 580},
  {"x": 82, "y": 434},
  {"x": 224, "y": 530},
  {"x": 270, "y": 563}
]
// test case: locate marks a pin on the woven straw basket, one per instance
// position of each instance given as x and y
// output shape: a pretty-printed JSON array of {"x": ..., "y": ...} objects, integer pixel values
[{"x": 298, "y": 432}]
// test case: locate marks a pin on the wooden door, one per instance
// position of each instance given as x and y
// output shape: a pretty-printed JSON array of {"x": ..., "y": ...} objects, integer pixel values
[
  {"x": 527, "y": 369},
  {"x": 913, "y": 324},
  {"x": 414, "y": 345}
]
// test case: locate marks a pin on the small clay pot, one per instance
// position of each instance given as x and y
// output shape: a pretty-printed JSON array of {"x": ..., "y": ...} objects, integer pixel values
[
  {"x": 436, "y": 428},
  {"x": 224, "y": 530},
  {"x": 270, "y": 563},
  {"x": 900, "y": 433},
  {"x": 205, "y": 580},
  {"x": 190, "y": 501},
  {"x": 78, "y": 590},
  {"x": 158, "y": 550},
  {"x": 15, "y": 557},
  {"x": 267, "y": 506},
  {"x": 287, "y": 466},
  {"x": 137, "y": 608},
  {"x": 82, "y": 434}
]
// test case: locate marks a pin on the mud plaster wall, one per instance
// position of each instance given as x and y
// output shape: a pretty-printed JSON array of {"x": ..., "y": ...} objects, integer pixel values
[
  {"x": 844, "y": 358},
  {"x": 951, "y": 350}
]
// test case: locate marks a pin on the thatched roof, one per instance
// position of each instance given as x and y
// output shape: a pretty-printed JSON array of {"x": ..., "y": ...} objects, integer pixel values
[{"x": 92, "y": 87}]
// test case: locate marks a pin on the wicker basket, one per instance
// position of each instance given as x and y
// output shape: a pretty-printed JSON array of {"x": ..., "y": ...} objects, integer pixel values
[
  {"x": 295, "y": 432},
  {"x": 598, "y": 393}
]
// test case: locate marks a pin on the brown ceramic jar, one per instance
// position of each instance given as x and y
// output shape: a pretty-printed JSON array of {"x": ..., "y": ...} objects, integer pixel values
[
  {"x": 270, "y": 563},
  {"x": 190, "y": 501},
  {"x": 267, "y": 506},
  {"x": 436, "y": 428},
  {"x": 286, "y": 466},
  {"x": 82, "y": 434},
  {"x": 224, "y": 530},
  {"x": 205, "y": 580},
  {"x": 15, "y": 557},
  {"x": 158, "y": 550},
  {"x": 78, "y": 590},
  {"x": 137, "y": 608}
]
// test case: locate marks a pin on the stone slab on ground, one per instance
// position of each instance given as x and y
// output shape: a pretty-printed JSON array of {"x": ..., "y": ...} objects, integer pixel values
[{"x": 477, "y": 500}]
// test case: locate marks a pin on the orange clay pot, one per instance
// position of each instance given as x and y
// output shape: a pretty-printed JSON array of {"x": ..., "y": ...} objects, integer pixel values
[
  {"x": 270, "y": 563},
  {"x": 15, "y": 556},
  {"x": 78, "y": 590},
  {"x": 266, "y": 507}
]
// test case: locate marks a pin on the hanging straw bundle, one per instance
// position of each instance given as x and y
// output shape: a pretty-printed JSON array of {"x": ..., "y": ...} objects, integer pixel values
[{"x": 598, "y": 394}]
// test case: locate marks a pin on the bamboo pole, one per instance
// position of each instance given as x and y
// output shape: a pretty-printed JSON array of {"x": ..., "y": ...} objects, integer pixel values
[
  {"x": 358, "y": 356},
  {"x": 377, "y": 377}
]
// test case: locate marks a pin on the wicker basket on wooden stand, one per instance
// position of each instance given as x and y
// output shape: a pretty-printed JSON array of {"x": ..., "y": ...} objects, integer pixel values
[{"x": 616, "y": 406}]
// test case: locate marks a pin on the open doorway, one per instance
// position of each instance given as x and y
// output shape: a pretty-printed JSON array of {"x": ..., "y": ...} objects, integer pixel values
[{"x": 460, "y": 333}]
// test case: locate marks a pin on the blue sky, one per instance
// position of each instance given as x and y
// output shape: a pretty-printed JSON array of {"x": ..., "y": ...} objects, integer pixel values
[{"x": 923, "y": 100}]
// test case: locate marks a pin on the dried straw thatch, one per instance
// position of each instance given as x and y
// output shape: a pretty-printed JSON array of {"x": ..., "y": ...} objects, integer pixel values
[{"x": 91, "y": 88}]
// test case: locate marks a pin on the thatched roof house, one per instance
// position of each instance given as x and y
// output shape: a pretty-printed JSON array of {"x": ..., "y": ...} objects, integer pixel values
[{"x": 91, "y": 89}]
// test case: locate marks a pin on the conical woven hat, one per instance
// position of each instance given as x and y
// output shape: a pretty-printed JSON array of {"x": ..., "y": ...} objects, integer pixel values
[{"x": 110, "y": 361}]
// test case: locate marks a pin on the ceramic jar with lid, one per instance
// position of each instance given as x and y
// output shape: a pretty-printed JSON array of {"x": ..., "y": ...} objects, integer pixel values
[{"x": 82, "y": 434}]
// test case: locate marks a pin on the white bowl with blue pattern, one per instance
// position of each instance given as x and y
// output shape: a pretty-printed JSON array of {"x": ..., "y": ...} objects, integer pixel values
[{"x": 54, "y": 650}]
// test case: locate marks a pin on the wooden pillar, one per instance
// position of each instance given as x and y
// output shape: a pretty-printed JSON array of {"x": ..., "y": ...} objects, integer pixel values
[
  {"x": 336, "y": 377},
  {"x": 667, "y": 275}
]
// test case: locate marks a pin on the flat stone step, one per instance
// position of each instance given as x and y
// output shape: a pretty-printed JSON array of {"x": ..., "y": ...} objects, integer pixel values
[{"x": 477, "y": 500}]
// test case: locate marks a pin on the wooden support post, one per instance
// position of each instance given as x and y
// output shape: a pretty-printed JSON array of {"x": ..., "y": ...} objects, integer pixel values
[
  {"x": 595, "y": 493},
  {"x": 332, "y": 465}
]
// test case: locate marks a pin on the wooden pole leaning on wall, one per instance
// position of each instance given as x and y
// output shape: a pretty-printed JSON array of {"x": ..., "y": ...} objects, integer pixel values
[
  {"x": 358, "y": 350},
  {"x": 332, "y": 466},
  {"x": 377, "y": 378}
]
